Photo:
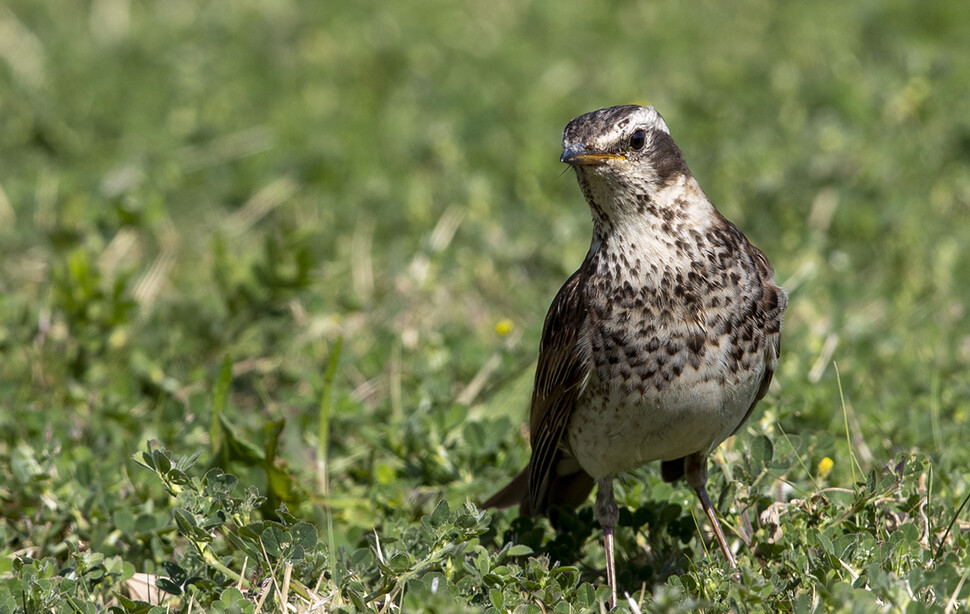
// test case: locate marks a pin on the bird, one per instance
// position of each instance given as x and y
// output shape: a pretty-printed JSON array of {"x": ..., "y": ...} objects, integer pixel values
[{"x": 663, "y": 341}]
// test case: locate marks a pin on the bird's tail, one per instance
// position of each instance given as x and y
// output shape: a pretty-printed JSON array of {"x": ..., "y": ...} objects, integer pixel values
[
  {"x": 515, "y": 492},
  {"x": 570, "y": 487}
]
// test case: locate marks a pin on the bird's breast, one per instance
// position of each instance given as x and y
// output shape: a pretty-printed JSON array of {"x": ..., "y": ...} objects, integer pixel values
[
  {"x": 677, "y": 356},
  {"x": 660, "y": 396}
]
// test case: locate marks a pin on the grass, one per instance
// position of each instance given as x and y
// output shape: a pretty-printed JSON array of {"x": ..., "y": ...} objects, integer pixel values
[{"x": 203, "y": 205}]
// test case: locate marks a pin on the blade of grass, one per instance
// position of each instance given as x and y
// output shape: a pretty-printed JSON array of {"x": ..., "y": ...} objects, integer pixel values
[
  {"x": 285, "y": 590},
  {"x": 326, "y": 403},
  {"x": 801, "y": 461},
  {"x": 845, "y": 419},
  {"x": 951, "y": 604},
  {"x": 323, "y": 434},
  {"x": 219, "y": 402},
  {"x": 949, "y": 527},
  {"x": 935, "y": 411}
]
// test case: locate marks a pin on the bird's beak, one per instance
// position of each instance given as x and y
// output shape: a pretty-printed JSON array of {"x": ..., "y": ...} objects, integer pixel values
[{"x": 577, "y": 155}]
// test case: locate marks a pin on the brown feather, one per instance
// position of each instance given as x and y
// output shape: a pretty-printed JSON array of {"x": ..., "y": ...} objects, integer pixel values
[
  {"x": 515, "y": 492},
  {"x": 563, "y": 368}
]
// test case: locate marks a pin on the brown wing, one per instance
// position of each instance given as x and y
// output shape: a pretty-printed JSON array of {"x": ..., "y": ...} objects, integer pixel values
[
  {"x": 769, "y": 309},
  {"x": 560, "y": 376},
  {"x": 553, "y": 476}
]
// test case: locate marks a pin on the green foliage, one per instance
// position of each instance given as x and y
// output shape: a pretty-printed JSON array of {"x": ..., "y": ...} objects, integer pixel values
[{"x": 309, "y": 247}]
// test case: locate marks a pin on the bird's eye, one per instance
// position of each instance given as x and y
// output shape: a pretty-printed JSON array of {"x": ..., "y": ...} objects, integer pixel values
[{"x": 638, "y": 139}]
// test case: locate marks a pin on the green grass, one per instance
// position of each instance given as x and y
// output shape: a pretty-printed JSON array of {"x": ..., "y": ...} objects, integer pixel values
[{"x": 203, "y": 204}]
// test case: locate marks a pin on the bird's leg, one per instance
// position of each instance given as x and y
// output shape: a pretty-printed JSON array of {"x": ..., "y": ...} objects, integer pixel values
[
  {"x": 695, "y": 470},
  {"x": 709, "y": 510},
  {"x": 607, "y": 515}
]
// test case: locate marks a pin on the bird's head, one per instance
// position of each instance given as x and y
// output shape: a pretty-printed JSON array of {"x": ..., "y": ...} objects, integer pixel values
[{"x": 623, "y": 156}]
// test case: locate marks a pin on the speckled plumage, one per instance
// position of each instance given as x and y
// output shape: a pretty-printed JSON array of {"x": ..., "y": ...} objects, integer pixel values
[{"x": 661, "y": 344}]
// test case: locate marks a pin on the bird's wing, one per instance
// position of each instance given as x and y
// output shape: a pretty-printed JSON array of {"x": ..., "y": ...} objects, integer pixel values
[
  {"x": 769, "y": 309},
  {"x": 560, "y": 377}
]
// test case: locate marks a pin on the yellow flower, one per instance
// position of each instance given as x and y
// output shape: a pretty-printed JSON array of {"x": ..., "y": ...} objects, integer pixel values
[
  {"x": 825, "y": 466},
  {"x": 504, "y": 327}
]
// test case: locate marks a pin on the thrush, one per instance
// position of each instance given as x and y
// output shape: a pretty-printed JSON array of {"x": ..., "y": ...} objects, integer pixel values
[{"x": 660, "y": 345}]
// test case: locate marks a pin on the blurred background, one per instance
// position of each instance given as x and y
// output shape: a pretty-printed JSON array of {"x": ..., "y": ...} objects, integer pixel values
[{"x": 184, "y": 181}]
